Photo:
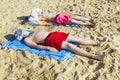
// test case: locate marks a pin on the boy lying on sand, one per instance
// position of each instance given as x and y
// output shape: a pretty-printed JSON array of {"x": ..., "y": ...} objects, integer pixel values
[
  {"x": 55, "y": 41},
  {"x": 60, "y": 18}
]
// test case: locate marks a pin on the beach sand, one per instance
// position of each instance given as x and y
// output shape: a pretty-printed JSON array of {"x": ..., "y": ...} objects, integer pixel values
[{"x": 22, "y": 65}]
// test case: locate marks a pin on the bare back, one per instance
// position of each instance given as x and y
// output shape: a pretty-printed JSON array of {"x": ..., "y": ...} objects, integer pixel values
[
  {"x": 47, "y": 16},
  {"x": 38, "y": 37}
]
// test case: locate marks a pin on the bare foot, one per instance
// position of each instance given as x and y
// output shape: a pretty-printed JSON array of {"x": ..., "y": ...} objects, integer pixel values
[
  {"x": 92, "y": 25},
  {"x": 95, "y": 17},
  {"x": 91, "y": 20},
  {"x": 99, "y": 57},
  {"x": 100, "y": 41}
]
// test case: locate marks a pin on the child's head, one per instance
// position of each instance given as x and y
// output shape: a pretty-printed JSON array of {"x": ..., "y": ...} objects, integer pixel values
[{"x": 20, "y": 34}]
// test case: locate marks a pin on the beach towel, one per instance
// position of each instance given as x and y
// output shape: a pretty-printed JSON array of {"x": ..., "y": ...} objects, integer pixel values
[{"x": 63, "y": 55}]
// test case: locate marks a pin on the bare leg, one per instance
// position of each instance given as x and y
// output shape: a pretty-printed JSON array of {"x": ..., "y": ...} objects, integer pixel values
[
  {"x": 81, "y": 22},
  {"x": 82, "y": 41},
  {"x": 82, "y": 18},
  {"x": 80, "y": 52}
]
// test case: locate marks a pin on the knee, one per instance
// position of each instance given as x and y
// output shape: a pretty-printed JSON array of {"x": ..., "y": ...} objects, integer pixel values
[{"x": 66, "y": 45}]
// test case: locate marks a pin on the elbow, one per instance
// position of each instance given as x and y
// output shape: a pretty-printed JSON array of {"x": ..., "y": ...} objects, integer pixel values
[{"x": 31, "y": 19}]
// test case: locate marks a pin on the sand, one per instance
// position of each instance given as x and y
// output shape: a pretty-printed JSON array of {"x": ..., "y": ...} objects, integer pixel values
[{"x": 21, "y": 65}]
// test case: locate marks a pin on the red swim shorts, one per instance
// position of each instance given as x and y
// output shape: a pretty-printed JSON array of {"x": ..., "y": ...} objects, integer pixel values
[
  {"x": 55, "y": 39},
  {"x": 63, "y": 18}
]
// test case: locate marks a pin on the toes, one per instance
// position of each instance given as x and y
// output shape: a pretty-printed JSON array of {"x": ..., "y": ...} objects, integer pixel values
[
  {"x": 91, "y": 20},
  {"x": 98, "y": 43},
  {"x": 101, "y": 41}
]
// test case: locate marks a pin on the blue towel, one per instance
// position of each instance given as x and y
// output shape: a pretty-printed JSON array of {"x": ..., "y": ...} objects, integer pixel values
[
  {"x": 20, "y": 45},
  {"x": 36, "y": 23}
]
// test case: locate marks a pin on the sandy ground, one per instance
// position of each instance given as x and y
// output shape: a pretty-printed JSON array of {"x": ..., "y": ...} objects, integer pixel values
[{"x": 21, "y": 65}]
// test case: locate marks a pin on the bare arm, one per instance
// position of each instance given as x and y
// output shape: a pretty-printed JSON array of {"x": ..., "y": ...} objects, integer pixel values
[
  {"x": 35, "y": 45},
  {"x": 32, "y": 18}
]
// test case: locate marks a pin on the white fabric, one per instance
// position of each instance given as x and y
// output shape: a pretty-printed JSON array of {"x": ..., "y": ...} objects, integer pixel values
[
  {"x": 19, "y": 34},
  {"x": 34, "y": 12}
]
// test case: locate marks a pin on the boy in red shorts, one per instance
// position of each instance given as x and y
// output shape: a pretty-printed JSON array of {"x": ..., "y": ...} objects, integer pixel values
[{"x": 55, "y": 41}]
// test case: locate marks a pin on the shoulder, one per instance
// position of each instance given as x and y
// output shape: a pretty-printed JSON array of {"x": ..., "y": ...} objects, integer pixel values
[{"x": 26, "y": 39}]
